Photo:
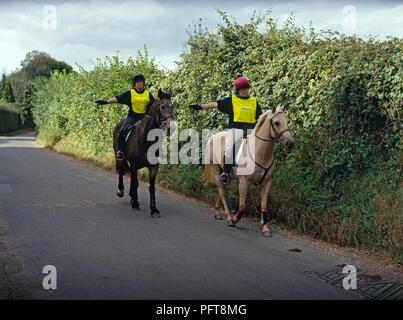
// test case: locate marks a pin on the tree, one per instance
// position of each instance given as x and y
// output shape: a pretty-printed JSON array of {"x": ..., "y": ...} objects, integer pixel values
[
  {"x": 8, "y": 94},
  {"x": 35, "y": 64},
  {"x": 40, "y": 64},
  {"x": 3, "y": 83}
]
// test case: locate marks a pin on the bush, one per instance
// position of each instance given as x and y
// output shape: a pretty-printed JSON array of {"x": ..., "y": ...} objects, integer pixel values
[{"x": 9, "y": 117}]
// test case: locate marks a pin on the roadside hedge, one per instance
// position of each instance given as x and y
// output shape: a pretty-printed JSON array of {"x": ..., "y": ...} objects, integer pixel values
[
  {"x": 9, "y": 118},
  {"x": 342, "y": 182}
]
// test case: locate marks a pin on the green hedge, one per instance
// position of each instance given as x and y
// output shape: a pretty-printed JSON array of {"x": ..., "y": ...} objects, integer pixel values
[
  {"x": 341, "y": 183},
  {"x": 9, "y": 118}
]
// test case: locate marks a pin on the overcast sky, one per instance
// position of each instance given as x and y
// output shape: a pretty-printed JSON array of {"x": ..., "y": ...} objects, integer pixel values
[{"x": 86, "y": 30}]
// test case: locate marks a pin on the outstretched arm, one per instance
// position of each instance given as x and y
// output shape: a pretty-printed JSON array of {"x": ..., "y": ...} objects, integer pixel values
[
  {"x": 112, "y": 100},
  {"x": 210, "y": 105},
  {"x": 101, "y": 102}
]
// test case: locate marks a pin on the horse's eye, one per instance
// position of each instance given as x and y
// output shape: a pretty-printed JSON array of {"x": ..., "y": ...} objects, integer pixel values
[
  {"x": 277, "y": 123},
  {"x": 163, "y": 108}
]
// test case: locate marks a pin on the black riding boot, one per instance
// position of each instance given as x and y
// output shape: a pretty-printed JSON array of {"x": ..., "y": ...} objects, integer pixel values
[
  {"x": 224, "y": 178},
  {"x": 120, "y": 154}
]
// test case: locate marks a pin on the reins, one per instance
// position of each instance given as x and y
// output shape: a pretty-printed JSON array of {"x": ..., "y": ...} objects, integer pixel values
[{"x": 278, "y": 136}]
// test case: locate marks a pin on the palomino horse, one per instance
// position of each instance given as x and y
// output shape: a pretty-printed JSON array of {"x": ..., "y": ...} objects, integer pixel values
[
  {"x": 159, "y": 116},
  {"x": 272, "y": 126}
]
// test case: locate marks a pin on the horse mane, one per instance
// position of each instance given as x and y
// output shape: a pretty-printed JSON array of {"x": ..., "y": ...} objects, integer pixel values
[
  {"x": 261, "y": 120},
  {"x": 152, "y": 111},
  {"x": 264, "y": 116}
]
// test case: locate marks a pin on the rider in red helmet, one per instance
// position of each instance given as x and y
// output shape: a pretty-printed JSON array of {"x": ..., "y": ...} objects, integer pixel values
[{"x": 243, "y": 112}]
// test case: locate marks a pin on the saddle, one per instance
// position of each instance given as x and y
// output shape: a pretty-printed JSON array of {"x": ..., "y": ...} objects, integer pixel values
[{"x": 129, "y": 129}]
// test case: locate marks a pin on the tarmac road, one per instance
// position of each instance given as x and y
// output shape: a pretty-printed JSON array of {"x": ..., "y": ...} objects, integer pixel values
[{"x": 65, "y": 213}]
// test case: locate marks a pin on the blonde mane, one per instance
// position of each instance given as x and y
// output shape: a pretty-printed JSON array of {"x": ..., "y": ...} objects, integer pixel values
[{"x": 263, "y": 116}]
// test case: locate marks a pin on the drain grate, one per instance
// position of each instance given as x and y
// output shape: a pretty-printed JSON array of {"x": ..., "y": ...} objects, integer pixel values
[{"x": 373, "y": 290}]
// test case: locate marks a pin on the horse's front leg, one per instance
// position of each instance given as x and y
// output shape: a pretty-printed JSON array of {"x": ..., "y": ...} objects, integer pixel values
[
  {"x": 265, "y": 188},
  {"x": 121, "y": 188},
  {"x": 152, "y": 176},
  {"x": 243, "y": 191},
  {"x": 134, "y": 184}
]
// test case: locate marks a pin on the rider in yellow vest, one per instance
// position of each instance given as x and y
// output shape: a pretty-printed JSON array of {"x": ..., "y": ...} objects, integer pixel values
[
  {"x": 243, "y": 112},
  {"x": 139, "y": 100}
]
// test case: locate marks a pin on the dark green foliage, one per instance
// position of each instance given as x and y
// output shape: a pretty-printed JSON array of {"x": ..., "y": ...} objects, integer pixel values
[
  {"x": 8, "y": 94},
  {"x": 35, "y": 65},
  {"x": 9, "y": 117}
]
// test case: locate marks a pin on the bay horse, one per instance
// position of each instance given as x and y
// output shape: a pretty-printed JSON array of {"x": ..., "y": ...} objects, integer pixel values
[
  {"x": 271, "y": 126},
  {"x": 159, "y": 116}
]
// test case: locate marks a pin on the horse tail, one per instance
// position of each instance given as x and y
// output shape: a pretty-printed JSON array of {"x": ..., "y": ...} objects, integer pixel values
[{"x": 208, "y": 174}]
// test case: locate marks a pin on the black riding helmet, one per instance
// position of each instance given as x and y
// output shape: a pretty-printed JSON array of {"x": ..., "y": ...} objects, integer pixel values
[{"x": 139, "y": 77}]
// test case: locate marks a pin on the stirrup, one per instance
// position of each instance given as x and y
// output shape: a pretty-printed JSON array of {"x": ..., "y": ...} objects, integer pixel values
[
  {"x": 120, "y": 155},
  {"x": 224, "y": 178}
]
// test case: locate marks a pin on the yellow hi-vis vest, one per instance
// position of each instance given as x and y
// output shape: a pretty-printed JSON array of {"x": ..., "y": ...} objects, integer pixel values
[
  {"x": 139, "y": 101},
  {"x": 244, "y": 109}
]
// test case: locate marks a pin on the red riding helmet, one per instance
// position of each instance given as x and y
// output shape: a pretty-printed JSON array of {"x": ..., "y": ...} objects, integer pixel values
[{"x": 241, "y": 83}]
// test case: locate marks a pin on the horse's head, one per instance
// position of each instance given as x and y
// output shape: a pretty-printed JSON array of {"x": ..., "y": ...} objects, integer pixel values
[
  {"x": 165, "y": 111},
  {"x": 277, "y": 126}
]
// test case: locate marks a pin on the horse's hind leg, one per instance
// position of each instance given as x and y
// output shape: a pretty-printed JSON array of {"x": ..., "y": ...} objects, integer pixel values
[
  {"x": 243, "y": 191},
  {"x": 134, "y": 184},
  {"x": 152, "y": 176},
  {"x": 217, "y": 206}
]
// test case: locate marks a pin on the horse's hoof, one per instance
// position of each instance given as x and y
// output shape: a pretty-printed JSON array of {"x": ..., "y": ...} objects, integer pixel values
[
  {"x": 135, "y": 204},
  {"x": 267, "y": 234},
  {"x": 218, "y": 216},
  {"x": 230, "y": 223},
  {"x": 155, "y": 213},
  {"x": 120, "y": 193}
]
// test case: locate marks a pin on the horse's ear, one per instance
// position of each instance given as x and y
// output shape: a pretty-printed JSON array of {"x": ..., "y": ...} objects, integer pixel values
[
  {"x": 163, "y": 95},
  {"x": 283, "y": 107},
  {"x": 273, "y": 110}
]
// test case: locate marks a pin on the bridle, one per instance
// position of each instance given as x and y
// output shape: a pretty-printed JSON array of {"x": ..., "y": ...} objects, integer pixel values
[
  {"x": 160, "y": 121},
  {"x": 276, "y": 133},
  {"x": 277, "y": 138}
]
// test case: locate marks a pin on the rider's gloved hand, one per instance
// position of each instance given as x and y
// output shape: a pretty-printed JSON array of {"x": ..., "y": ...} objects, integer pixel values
[
  {"x": 195, "y": 106},
  {"x": 101, "y": 102}
]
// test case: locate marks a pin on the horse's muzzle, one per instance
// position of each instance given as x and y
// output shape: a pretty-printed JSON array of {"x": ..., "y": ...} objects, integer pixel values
[
  {"x": 289, "y": 144},
  {"x": 169, "y": 127}
]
